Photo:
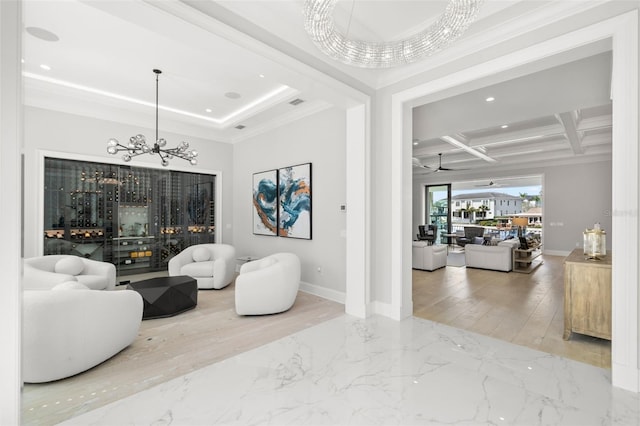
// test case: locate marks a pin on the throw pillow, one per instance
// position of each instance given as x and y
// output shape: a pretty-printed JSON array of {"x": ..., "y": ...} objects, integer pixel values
[
  {"x": 478, "y": 240},
  {"x": 69, "y": 265},
  {"x": 201, "y": 254},
  {"x": 70, "y": 285}
]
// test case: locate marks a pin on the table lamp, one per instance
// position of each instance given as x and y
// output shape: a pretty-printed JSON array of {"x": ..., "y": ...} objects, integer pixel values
[
  {"x": 521, "y": 223},
  {"x": 595, "y": 243}
]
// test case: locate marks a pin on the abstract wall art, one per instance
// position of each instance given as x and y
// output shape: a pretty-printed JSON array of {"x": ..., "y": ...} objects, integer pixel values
[
  {"x": 294, "y": 201},
  {"x": 265, "y": 203}
]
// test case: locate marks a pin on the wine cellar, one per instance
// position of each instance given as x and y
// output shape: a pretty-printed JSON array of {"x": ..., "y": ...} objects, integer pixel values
[{"x": 136, "y": 218}]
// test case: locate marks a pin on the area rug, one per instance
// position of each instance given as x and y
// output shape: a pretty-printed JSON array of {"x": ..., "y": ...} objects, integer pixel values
[{"x": 455, "y": 259}]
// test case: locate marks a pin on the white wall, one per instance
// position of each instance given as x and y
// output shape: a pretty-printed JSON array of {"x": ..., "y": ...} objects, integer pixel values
[
  {"x": 562, "y": 203},
  {"x": 319, "y": 139},
  {"x": 76, "y": 135}
]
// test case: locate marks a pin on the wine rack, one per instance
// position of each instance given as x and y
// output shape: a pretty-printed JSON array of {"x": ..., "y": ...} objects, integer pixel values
[{"x": 134, "y": 217}]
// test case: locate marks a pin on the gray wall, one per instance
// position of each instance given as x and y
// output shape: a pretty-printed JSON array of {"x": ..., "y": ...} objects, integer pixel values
[
  {"x": 574, "y": 198},
  {"x": 76, "y": 135},
  {"x": 319, "y": 139}
]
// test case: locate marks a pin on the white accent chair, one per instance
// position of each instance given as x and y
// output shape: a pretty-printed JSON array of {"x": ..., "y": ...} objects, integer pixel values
[
  {"x": 212, "y": 265},
  {"x": 268, "y": 285},
  {"x": 69, "y": 329},
  {"x": 44, "y": 272},
  {"x": 428, "y": 257}
]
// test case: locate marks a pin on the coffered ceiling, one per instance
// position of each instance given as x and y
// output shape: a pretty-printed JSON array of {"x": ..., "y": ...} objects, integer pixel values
[
  {"x": 555, "y": 116},
  {"x": 227, "y": 64}
]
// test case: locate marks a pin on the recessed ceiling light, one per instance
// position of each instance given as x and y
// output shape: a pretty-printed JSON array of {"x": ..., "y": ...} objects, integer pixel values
[
  {"x": 490, "y": 99},
  {"x": 504, "y": 126},
  {"x": 45, "y": 67},
  {"x": 232, "y": 95},
  {"x": 415, "y": 143},
  {"x": 261, "y": 75},
  {"x": 208, "y": 110},
  {"x": 42, "y": 34}
]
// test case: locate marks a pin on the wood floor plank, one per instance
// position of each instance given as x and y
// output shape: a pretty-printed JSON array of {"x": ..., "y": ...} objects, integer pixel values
[{"x": 525, "y": 309}]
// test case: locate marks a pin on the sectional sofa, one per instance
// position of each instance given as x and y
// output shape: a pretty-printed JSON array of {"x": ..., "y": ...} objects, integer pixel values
[{"x": 497, "y": 258}]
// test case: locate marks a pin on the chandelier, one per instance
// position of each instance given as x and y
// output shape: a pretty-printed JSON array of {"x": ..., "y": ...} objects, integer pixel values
[
  {"x": 138, "y": 144},
  {"x": 457, "y": 17}
]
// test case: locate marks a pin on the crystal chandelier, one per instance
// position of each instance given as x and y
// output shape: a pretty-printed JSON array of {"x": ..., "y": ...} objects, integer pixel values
[
  {"x": 138, "y": 144},
  {"x": 457, "y": 17}
]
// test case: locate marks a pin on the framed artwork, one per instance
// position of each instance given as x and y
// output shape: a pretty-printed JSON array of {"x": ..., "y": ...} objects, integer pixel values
[
  {"x": 294, "y": 201},
  {"x": 265, "y": 203}
]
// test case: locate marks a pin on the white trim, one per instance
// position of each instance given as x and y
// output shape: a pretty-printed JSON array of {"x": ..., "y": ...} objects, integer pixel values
[
  {"x": 325, "y": 293},
  {"x": 41, "y": 154},
  {"x": 11, "y": 214},
  {"x": 357, "y": 221},
  {"x": 623, "y": 31},
  {"x": 625, "y": 160}
]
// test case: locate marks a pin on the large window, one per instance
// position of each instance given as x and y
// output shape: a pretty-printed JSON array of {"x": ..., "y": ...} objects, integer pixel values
[{"x": 137, "y": 218}]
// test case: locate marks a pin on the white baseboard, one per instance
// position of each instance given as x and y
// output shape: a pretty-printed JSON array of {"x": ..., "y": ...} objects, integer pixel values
[
  {"x": 625, "y": 377},
  {"x": 327, "y": 293},
  {"x": 382, "y": 308},
  {"x": 556, "y": 252}
]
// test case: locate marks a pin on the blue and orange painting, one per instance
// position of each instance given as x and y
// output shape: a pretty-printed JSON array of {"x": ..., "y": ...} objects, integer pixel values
[
  {"x": 294, "y": 201},
  {"x": 265, "y": 197}
]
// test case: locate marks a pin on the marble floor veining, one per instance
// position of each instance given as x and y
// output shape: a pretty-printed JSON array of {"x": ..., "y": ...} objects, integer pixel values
[{"x": 378, "y": 371}]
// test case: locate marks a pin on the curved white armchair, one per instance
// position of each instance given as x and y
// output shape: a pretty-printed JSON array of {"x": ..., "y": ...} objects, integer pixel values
[
  {"x": 66, "y": 331},
  {"x": 44, "y": 272},
  {"x": 212, "y": 265},
  {"x": 268, "y": 285}
]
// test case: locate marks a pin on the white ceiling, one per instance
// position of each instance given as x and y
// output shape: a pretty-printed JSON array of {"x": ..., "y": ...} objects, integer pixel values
[{"x": 102, "y": 66}]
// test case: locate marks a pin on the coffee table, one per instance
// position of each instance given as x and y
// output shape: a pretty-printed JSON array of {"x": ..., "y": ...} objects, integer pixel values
[{"x": 166, "y": 296}]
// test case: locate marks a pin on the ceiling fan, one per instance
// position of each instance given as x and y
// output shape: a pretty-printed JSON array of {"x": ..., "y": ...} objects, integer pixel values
[
  {"x": 444, "y": 169},
  {"x": 416, "y": 163},
  {"x": 491, "y": 183}
]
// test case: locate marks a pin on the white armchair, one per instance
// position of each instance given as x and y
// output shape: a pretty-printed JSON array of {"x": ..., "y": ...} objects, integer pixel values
[
  {"x": 44, "y": 272},
  {"x": 212, "y": 265},
  {"x": 268, "y": 285},
  {"x": 70, "y": 328},
  {"x": 428, "y": 257}
]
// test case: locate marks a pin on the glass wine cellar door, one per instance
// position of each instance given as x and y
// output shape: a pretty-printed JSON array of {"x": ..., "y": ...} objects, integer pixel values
[{"x": 136, "y": 218}]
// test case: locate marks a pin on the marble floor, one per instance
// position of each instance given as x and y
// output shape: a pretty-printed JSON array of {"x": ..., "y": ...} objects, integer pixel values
[{"x": 349, "y": 371}]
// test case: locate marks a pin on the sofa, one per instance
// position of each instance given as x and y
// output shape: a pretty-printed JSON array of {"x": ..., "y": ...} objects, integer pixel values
[
  {"x": 70, "y": 328},
  {"x": 45, "y": 272},
  {"x": 212, "y": 265},
  {"x": 268, "y": 285},
  {"x": 497, "y": 258},
  {"x": 428, "y": 257}
]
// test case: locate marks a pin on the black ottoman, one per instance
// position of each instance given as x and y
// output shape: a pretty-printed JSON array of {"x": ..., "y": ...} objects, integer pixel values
[{"x": 166, "y": 296}]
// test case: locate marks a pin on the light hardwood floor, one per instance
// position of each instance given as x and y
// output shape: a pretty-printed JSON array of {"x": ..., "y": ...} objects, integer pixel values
[
  {"x": 525, "y": 309},
  {"x": 170, "y": 347}
]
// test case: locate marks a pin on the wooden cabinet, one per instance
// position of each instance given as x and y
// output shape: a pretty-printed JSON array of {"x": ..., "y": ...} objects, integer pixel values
[
  {"x": 526, "y": 260},
  {"x": 587, "y": 296}
]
